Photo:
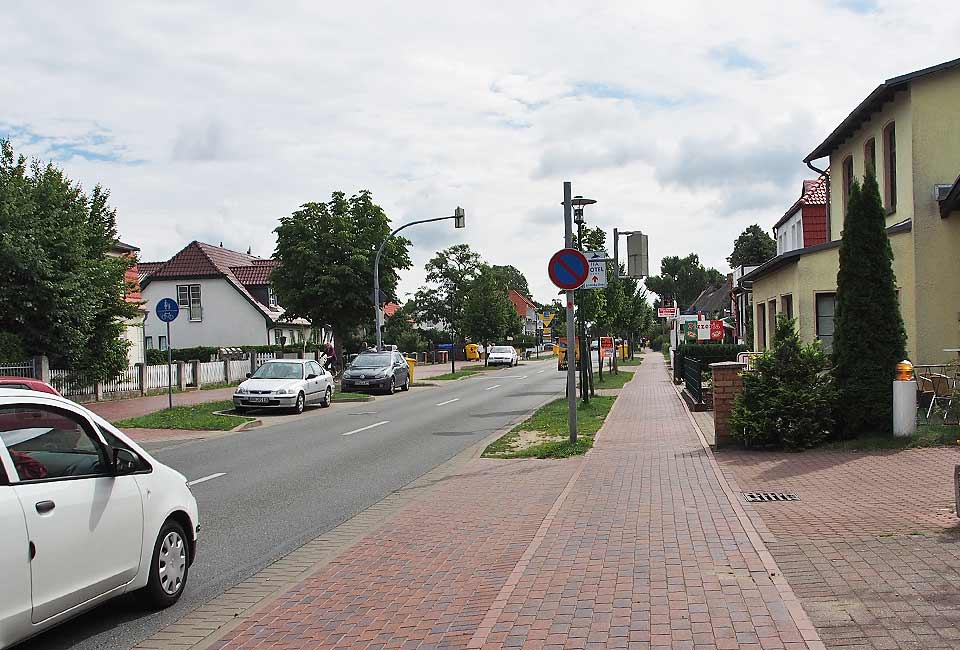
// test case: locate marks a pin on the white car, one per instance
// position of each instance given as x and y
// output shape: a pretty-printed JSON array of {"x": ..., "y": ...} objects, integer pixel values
[
  {"x": 503, "y": 355},
  {"x": 86, "y": 515},
  {"x": 287, "y": 384}
]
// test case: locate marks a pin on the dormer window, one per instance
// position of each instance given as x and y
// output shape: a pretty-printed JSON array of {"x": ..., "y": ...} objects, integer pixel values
[{"x": 271, "y": 297}]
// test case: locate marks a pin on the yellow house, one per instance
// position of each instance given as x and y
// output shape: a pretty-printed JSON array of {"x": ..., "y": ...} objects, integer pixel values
[{"x": 908, "y": 131}]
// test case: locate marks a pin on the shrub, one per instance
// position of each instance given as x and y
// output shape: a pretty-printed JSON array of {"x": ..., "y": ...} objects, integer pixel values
[
  {"x": 789, "y": 398},
  {"x": 12, "y": 349}
]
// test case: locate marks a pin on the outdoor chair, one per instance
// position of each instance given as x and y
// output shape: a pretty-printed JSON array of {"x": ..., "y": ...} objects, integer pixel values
[{"x": 939, "y": 390}]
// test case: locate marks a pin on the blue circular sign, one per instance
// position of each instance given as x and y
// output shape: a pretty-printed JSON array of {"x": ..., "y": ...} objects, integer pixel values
[
  {"x": 568, "y": 268},
  {"x": 168, "y": 310}
]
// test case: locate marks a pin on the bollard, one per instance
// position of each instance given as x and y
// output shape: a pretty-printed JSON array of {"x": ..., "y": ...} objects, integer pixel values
[{"x": 904, "y": 401}]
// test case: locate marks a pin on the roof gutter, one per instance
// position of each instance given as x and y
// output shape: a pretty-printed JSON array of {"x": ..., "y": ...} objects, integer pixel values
[{"x": 823, "y": 172}]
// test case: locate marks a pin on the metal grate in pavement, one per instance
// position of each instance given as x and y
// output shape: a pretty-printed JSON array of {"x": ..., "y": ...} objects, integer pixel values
[{"x": 758, "y": 497}]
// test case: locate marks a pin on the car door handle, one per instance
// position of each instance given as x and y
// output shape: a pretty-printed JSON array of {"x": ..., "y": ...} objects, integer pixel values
[{"x": 43, "y": 507}]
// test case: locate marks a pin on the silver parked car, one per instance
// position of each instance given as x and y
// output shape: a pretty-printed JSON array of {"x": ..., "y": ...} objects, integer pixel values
[
  {"x": 503, "y": 355},
  {"x": 285, "y": 383}
]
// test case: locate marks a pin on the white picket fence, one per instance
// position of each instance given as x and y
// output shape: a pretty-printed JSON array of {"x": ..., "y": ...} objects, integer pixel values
[{"x": 154, "y": 377}]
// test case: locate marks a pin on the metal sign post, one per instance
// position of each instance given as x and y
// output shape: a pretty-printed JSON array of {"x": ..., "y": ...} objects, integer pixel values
[
  {"x": 167, "y": 311},
  {"x": 571, "y": 332}
]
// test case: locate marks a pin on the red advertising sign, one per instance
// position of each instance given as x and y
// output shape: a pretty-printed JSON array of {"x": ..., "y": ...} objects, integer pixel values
[
  {"x": 606, "y": 347},
  {"x": 716, "y": 330}
]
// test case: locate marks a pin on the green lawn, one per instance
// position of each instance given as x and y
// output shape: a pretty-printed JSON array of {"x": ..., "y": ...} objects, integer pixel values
[
  {"x": 461, "y": 372},
  {"x": 552, "y": 420},
  {"x": 350, "y": 397},
  {"x": 636, "y": 361},
  {"x": 199, "y": 417},
  {"x": 611, "y": 380},
  {"x": 928, "y": 435}
]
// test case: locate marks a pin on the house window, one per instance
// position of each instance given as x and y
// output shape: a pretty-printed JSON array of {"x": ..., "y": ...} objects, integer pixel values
[
  {"x": 870, "y": 156},
  {"x": 847, "y": 182},
  {"x": 826, "y": 307},
  {"x": 786, "y": 305},
  {"x": 772, "y": 315},
  {"x": 148, "y": 342},
  {"x": 890, "y": 167},
  {"x": 163, "y": 342},
  {"x": 271, "y": 297},
  {"x": 188, "y": 297},
  {"x": 761, "y": 326}
]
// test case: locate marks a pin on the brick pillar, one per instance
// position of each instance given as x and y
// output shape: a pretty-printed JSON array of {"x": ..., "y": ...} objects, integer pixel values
[
  {"x": 226, "y": 371},
  {"x": 196, "y": 372},
  {"x": 727, "y": 384},
  {"x": 181, "y": 376}
]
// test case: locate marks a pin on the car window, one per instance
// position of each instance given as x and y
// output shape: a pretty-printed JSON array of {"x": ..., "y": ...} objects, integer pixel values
[
  {"x": 315, "y": 368},
  {"x": 375, "y": 360},
  {"x": 279, "y": 370},
  {"x": 501, "y": 349},
  {"x": 117, "y": 443},
  {"x": 16, "y": 386},
  {"x": 48, "y": 443}
]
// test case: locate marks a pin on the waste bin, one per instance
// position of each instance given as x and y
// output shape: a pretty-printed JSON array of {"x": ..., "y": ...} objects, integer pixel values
[
  {"x": 473, "y": 352},
  {"x": 411, "y": 363}
]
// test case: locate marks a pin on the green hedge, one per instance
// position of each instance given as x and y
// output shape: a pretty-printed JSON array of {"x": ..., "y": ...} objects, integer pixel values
[{"x": 707, "y": 353}]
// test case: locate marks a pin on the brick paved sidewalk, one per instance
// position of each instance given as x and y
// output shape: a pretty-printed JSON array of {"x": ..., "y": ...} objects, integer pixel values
[
  {"x": 640, "y": 544},
  {"x": 873, "y": 546}
]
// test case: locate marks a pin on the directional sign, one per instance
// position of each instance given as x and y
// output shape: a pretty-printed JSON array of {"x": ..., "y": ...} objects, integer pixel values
[
  {"x": 597, "y": 278},
  {"x": 568, "y": 268},
  {"x": 167, "y": 310}
]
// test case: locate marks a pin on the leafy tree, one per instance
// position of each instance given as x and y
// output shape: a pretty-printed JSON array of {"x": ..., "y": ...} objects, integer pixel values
[
  {"x": 61, "y": 292},
  {"x": 326, "y": 253},
  {"x": 451, "y": 272},
  {"x": 869, "y": 338},
  {"x": 488, "y": 315},
  {"x": 512, "y": 278},
  {"x": 753, "y": 247},
  {"x": 400, "y": 324},
  {"x": 789, "y": 399},
  {"x": 682, "y": 279}
]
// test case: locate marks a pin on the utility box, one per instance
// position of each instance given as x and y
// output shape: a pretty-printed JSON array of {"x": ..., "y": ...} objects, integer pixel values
[{"x": 638, "y": 255}]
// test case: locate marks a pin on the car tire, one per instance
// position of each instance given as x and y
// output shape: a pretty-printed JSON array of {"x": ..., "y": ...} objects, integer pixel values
[
  {"x": 327, "y": 398},
  {"x": 301, "y": 402},
  {"x": 406, "y": 385},
  {"x": 393, "y": 386},
  {"x": 169, "y": 567}
]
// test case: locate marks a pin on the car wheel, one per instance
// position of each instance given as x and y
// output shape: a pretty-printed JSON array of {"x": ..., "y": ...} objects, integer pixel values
[
  {"x": 327, "y": 397},
  {"x": 169, "y": 566},
  {"x": 393, "y": 386},
  {"x": 298, "y": 407},
  {"x": 406, "y": 385}
]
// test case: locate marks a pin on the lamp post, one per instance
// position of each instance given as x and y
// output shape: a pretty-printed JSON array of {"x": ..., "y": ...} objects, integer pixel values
[
  {"x": 459, "y": 221},
  {"x": 586, "y": 366}
]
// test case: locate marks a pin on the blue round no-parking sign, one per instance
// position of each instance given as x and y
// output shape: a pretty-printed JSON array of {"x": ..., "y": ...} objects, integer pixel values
[{"x": 168, "y": 310}]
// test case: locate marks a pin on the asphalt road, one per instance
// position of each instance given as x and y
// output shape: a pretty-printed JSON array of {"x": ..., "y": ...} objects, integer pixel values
[{"x": 282, "y": 485}]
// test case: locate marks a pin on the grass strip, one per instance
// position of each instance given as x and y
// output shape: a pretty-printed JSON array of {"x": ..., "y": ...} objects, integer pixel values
[
  {"x": 611, "y": 380},
  {"x": 551, "y": 420},
  {"x": 453, "y": 375},
  {"x": 198, "y": 417},
  {"x": 350, "y": 397}
]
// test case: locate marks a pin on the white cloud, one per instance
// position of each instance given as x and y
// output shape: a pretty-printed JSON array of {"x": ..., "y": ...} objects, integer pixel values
[{"x": 209, "y": 120}]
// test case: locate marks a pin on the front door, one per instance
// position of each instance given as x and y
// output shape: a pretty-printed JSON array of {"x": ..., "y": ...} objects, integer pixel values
[{"x": 85, "y": 525}]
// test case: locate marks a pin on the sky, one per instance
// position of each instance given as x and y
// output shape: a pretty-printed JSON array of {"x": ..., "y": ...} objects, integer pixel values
[{"x": 685, "y": 120}]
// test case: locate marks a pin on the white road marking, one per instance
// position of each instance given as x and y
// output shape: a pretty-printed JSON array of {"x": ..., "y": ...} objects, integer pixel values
[
  {"x": 540, "y": 372},
  {"x": 525, "y": 376},
  {"x": 369, "y": 426},
  {"x": 449, "y": 401},
  {"x": 492, "y": 387},
  {"x": 206, "y": 478}
]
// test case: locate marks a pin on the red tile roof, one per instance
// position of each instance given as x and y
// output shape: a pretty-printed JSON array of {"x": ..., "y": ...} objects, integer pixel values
[
  {"x": 813, "y": 192},
  {"x": 200, "y": 260}
]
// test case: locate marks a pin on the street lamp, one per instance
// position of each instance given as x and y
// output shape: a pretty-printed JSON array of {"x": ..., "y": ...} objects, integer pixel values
[
  {"x": 459, "y": 221},
  {"x": 579, "y": 203}
]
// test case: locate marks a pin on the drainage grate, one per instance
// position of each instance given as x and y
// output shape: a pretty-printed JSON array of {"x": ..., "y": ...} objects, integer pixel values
[{"x": 756, "y": 497}]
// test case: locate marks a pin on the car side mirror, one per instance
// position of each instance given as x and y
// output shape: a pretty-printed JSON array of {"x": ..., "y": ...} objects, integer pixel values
[
  {"x": 248, "y": 375},
  {"x": 124, "y": 461},
  {"x": 311, "y": 376}
]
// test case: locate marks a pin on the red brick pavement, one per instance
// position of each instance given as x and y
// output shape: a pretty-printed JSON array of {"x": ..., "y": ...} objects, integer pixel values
[
  {"x": 872, "y": 548},
  {"x": 122, "y": 409},
  {"x": 637, "y": 545}
]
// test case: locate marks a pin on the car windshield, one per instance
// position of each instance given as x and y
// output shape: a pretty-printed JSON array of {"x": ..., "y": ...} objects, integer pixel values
[
  {"x": 501, "y": 349},
  {"x": 371, "y": 361},
  {"x": 279, "y": 371}
]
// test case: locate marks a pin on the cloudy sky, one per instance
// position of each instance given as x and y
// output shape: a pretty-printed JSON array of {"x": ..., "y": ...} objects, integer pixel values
[{"x": 687, "y": 120}]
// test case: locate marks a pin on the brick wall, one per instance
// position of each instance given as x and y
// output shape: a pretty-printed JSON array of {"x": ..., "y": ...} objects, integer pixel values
[{"x": 727, "y": 384}]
